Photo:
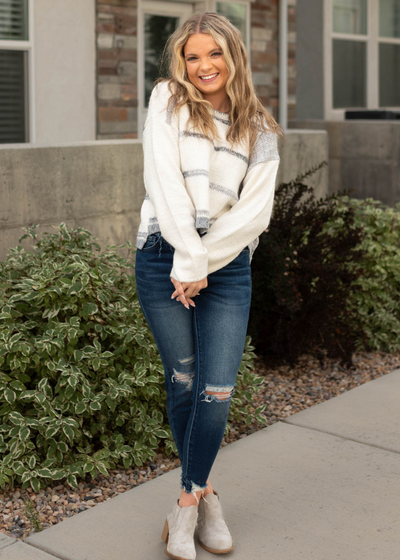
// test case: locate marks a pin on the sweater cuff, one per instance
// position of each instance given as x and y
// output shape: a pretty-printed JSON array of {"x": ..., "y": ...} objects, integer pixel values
[{"x": 183, "y": 273}]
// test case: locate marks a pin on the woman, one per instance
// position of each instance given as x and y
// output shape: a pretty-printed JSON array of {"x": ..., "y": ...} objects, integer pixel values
[{"x": 210, "y": 165}]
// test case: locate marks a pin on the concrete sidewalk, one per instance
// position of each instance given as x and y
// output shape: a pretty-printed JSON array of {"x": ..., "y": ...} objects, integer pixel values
[{"x": 324, "y": 484}]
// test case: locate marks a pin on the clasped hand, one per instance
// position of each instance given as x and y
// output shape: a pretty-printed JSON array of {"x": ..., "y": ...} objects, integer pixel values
[{"x": 184, "y": 291}]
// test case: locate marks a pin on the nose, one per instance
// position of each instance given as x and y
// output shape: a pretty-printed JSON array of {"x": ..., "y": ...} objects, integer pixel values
[{"x": 205, "y": 66}]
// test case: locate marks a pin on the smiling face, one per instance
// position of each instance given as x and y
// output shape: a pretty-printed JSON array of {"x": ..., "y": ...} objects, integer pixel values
[{"x": 206, "y": 69}]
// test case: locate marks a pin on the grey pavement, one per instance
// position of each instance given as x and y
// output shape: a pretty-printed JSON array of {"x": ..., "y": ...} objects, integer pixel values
[{"x": 323, "y": 485}]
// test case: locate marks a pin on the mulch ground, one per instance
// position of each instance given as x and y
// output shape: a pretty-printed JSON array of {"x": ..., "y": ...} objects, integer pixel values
[{"x": 285, "y": 391}]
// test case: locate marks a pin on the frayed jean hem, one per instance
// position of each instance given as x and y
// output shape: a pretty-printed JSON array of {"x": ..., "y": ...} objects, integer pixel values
[{"x": 191, "y": 487}]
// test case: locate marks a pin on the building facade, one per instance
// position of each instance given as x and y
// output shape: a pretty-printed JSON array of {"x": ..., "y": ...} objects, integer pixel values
[{"x": 76, "y": 70}]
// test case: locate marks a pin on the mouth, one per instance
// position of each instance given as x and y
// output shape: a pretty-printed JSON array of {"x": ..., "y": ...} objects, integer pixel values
[{"x": 209, "y": 77}]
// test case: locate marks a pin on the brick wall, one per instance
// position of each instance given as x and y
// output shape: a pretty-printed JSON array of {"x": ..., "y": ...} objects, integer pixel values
[
  {"x": 117, "y": 63},
  {"x": 116, "y": 69}
]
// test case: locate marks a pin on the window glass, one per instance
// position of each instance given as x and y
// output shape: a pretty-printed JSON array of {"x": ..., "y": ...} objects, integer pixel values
[
  {"x": 389, "y": 75},
  {"x": 350, "y": 16},
  {"x": 12, "y": 96},
  {"x": 14, "y": 20},
  {"x": 237, "y": 15},
  {"x": 389, "y": 18},
  {"x": 349, "y": 74},
  {"x": 157, "y": 29}
]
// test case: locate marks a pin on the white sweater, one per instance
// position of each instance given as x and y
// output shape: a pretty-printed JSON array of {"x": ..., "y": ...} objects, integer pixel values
[{"x": 194, "y": 185}]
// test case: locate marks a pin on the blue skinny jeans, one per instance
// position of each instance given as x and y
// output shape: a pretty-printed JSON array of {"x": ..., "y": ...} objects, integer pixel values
[{"x": 201, "y": 350}]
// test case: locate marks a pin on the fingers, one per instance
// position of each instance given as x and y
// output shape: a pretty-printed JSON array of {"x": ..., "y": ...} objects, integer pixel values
[
  {"x": 181, "y": 294},
  {"x": 184, "y": 291},
  {"x": 189, "y": 300}
]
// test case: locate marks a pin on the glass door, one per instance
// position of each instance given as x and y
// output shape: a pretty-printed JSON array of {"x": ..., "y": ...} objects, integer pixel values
[{"x": 157, "y": 21}]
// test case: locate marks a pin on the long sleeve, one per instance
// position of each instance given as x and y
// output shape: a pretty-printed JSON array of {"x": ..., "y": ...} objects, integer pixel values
[
  {"x": 165, "y": 186},
  {"x": 250, "y": 215}
]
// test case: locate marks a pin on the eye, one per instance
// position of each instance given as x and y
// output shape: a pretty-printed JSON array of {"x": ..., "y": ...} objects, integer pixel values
[
  {"x": 191, "y": 58},
  {"x": 217, "y": 53}
]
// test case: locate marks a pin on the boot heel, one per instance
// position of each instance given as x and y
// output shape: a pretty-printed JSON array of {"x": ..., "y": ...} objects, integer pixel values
[{"x": 165, "y": 532}]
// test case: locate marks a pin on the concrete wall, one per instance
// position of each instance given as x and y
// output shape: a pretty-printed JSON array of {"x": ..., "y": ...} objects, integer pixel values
[
  {"x": 99, "y": 185},
  {"x": 309, "y": 60},
  {"x": 64, "y": 70},
  {"x": 363, "y": 155}
]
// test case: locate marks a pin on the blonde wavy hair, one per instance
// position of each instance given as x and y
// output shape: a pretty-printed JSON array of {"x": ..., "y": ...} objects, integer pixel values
[{"x": 247, "y": 114}]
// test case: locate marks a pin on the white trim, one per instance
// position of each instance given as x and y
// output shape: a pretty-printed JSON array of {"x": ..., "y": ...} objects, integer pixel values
[
  {"x": 372, "y": 79},
  {"x": 327, "y": 62},
  {"x": 31, "y": 77},
  {"x": 283, "y": 63},
  {"x": 15, "y": 45},
  {"x": 27, "y": 46},
  {"x": 372, "y": 40}
]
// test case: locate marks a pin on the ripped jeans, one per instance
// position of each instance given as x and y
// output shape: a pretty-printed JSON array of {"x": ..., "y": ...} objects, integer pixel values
[{"x": 201, "y": 350}]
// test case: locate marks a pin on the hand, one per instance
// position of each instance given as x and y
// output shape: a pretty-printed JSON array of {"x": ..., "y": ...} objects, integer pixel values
[{"x": 184, "y": 291}]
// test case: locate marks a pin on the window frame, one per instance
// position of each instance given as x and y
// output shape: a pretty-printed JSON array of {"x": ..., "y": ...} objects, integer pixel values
[
  {"x": 28, "y": 48},
  {"x": 372, "y": 40}
]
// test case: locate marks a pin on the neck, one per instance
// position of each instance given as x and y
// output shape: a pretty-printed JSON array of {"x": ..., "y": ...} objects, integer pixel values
[{"x": 219, "y": 101}]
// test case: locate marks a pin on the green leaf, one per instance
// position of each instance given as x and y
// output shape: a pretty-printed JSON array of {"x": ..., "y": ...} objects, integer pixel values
[
  {"x": 26, "y": 476},
  {"x": 35, "y": 485},
  {"x": 9, "y": 395},
  {"x": 45, "y": 473},
  {"x": 16, "y": 418},
  {"x": 71, "y": 422},
  {"x": 71, "y": 479},
  {"x": 62, "y": 446},
  {"x": 161, "y": 433},
  {"x": 24, "y": 433},
  {"x": 95, "y": 406},
  {"x": 101, "y": 467},
  {"x": 89, "y": 309},
  {"x": 80, "y": 408},
  {"x": 52, "y": 430},
  {"x": 69, "y": 432}
]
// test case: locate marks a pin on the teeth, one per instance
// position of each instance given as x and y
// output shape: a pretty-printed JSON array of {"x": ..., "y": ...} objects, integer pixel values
[{"x": 208, "y": 77}]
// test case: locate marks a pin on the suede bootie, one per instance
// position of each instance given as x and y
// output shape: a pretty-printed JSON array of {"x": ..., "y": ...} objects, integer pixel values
[
  {"x": 179, "y": 531},
  {"x": 213, "y": 532}
]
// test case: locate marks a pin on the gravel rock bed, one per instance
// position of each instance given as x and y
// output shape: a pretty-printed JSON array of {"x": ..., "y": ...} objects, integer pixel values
[{"x": 285, "y": 391}]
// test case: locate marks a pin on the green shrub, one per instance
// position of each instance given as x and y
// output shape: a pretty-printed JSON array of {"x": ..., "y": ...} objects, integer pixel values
[
  {"x": 81, "y": 380},
  {"x": 303, "y": 274},
  {"x": 374, "y": 300}
]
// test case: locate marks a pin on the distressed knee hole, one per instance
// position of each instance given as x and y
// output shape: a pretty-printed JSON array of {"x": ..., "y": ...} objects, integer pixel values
[
  {"x": 216, "y": 393},
  {"x": 184, "y": 378}
]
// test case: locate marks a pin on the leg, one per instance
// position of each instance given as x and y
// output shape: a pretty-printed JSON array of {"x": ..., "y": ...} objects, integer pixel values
[
  {"x": 220, "y": 325},
  {"x": 172, "y": 327}
]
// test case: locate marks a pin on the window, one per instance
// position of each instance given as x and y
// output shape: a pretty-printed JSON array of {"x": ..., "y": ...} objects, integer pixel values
[
  {"x": 238, "y": 15},
  {"x": 389, "y": 53},
  {"x": 15, "y": 54},
  {"x": 362, "y": 58}
]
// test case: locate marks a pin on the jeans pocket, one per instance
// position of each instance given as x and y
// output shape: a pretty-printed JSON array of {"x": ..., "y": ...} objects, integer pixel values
[{"x": 152, "y": 241}]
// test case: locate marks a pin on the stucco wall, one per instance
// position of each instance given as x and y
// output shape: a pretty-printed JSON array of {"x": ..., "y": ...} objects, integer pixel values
[
  {"x": 65, "y": 70},
  {"x": 99, "y": 185},
  {"x": 363, "y": 156}
]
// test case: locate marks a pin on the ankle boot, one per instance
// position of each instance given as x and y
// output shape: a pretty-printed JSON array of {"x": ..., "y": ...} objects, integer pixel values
[
  {"x": 178, "y": 532},
  {"x": 213, "y": 532}
]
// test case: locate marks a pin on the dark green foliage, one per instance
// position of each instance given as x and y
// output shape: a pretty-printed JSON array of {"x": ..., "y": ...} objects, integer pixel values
[
  {"x": 81, "y": 380},
  {"x": 302, "y": 276},
  {"x": 374, "y": 299}
]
